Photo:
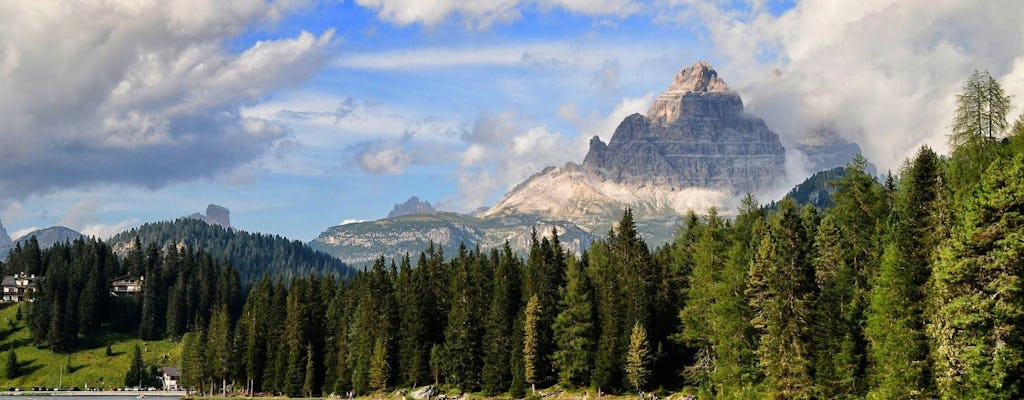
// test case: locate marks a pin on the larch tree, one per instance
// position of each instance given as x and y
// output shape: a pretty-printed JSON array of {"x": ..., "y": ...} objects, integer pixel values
[{"x": 638, "y": 358}]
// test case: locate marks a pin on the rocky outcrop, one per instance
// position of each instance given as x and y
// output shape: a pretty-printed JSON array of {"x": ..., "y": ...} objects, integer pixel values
[
  {"x": 5, "y": 242},
  {"x": 696, "y": 134},
  {"x": 218, "y": 215},
  {"x": 47, "y": 237},
  {"x": 412, "y": 206},
  {"x": 215, "y": 215}
]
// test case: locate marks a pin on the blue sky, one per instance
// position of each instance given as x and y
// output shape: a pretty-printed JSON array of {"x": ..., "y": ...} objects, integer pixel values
[{"x": 300, "y": 115}]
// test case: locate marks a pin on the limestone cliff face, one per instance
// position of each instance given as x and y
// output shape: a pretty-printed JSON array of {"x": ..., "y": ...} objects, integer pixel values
[{"x": 696, "y": 134}]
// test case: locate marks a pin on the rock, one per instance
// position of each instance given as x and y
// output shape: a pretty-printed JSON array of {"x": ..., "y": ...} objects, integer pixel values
[
  {"x": 47, "y": 237},
  {"x": 696, "y": 134},
  {"x": 824, "y": 149},
  {"x": 412, "y": 206},
  {"x": 218, "y": 215},
  {"x": 215, "y": 215},
  {"x": 425, "y": 392},
  {"x": 6, "y": 244}
]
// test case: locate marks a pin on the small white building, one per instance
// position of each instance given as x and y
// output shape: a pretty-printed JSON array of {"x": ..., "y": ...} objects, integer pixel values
[
  {"x": 170, "y": 377},
  {"x": 126, "y": 284}
]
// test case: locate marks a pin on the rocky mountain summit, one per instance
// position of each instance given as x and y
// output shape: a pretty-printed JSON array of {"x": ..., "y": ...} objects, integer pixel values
[
  {"x": 5, "y": 242},
  {"x": 696, "y": 134},
  {"x": 411, "y": 207}
]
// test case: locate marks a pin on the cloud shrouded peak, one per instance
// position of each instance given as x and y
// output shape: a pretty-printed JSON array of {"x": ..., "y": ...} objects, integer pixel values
[{"x": 144, "y": 93}]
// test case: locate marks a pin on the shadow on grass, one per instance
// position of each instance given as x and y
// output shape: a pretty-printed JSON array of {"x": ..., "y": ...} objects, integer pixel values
[{"x": 28, "y": 368}]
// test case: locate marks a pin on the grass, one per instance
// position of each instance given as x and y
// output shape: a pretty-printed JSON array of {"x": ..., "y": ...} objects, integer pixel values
[{"x": 90, "y": 366}]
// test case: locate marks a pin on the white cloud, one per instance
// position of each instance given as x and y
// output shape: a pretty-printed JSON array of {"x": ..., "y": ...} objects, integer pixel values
[
  {"x": 24, "y": 231},
  {"x": 351, "y": 221},
  {"x": 482, "y": 14},
  {"x": 106, "y": 231},
  {"x": 80, "y": 214},
  {"x": 145, "y": 93},
  {"x": 883, "y": 72},
  {"x": 13, "y": 213}
]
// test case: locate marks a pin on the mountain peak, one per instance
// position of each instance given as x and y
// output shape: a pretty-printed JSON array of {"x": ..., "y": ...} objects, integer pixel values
[
  {"x": 700, "y": 77},
  {"x": 412, "y": 206},
  {"x": 691, "y": 88}
]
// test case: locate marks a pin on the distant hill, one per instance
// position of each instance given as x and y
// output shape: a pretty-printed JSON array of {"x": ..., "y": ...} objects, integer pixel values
[
  {"x": 816, "y": 190},
  {"x": 46, "y": 237},
  {"x": 252, "y": 254},
  {"x": 392, "y": 237}
]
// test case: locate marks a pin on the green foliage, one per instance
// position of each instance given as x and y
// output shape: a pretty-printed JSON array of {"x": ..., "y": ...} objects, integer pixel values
[
  {"x": 978, "y": 303},
  {"x": 11, "y": 368},
  {"x": 137, "y": 371},
  {"x": 531, "y": 350},
  {"x": 573, "y": 329},
  {"x": 638, "y": 357},
  {"x": 781, "y": 293},
  {"x": 255, "y": 255}
]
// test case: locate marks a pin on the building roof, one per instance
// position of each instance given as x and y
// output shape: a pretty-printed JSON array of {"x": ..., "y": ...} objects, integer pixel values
[
  {"x": 171, "y": 371},
  {"x": 128, "y": 279}
]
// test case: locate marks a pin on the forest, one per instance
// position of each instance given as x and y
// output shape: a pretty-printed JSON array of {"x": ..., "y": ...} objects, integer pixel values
[{"x": 905, "y": 288}]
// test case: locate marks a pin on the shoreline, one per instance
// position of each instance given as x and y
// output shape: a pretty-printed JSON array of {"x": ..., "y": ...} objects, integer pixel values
[{"x": 76, "y": 393}]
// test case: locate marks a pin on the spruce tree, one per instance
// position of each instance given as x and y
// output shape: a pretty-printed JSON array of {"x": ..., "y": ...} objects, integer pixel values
[
  {"x": 136, "y": 371},
  {"x": 531, "y": 347},
  {"x": 498, "y": 341},
  {"x": 898, "y": 346},
  {"x": 12, "y": 370},
  {"x": 977, "y": 296},
  {"x": 574, "y": 329},
  {"x": 781, "y": 292}
]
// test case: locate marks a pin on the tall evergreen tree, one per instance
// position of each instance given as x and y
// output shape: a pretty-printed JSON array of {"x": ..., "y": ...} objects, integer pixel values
[
  {"x": 781, "y": 292},
  {"x": 12, "y": 369},
  {"x": 898, "y": 346},
  {"x": 137, "y": 370},
  {"x": 505, "y": 301},
  {"x": 531, "y": 345},
  {"x": 574, "y": 329},
  {"x": 977, "y": 296}
]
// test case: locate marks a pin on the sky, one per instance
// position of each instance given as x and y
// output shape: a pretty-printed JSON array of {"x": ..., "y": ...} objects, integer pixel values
[{"x": 299, "y": 115}]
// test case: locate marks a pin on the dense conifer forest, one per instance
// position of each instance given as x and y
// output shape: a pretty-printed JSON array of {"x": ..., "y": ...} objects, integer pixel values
[{"x": 906, "y": 288}]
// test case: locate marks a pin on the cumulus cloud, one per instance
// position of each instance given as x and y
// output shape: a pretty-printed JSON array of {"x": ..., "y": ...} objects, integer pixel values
[
  {"x": 500, "y": 153},
  {"x": 483, "y": 14},
  {"x": 883, "y": 73},
  {"x": 106, "y": 231},
  {"x": 144, "y": 93},
  {"x": 606, "y": 79}
]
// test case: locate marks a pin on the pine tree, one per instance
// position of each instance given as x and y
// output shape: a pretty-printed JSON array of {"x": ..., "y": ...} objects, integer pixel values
[
  {"x": 708, "y": 261},
  {"x": 781, "y": 293},
  {"x": 638, "y": 357},
  {"x": 498, "y": 342},
  {"x": 605, "y": 275},
  {"x": 218, "y": 346},
  {"x": 898, "y": 346},
  {"x": 531, "y": 350},
  {"x": 981, "y": 115},
  {"x": 137, "y": 371},
  {"x": 309, "y": 386},
  {"x": 573, "y": 329},
  {"x": 977, "y": 296},
  {"x": 848, "y": 251},
  {"x": 12, "y": 370}
]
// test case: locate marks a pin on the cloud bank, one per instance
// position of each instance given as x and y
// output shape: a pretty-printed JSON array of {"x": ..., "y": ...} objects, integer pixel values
[
  {"x": 145, "y": 93},
  {"x": 482, "y": 14},
  {"x": 882, "y": 73}
]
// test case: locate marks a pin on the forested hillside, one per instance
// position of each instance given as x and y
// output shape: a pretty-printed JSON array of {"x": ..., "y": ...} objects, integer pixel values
[
  {"x": 907, "y": 289},
  {"x": 253, "y": 254}
]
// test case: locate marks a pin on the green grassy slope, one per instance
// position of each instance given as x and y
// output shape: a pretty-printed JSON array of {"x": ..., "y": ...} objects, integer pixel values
[{"x": 44, "y": 368}]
